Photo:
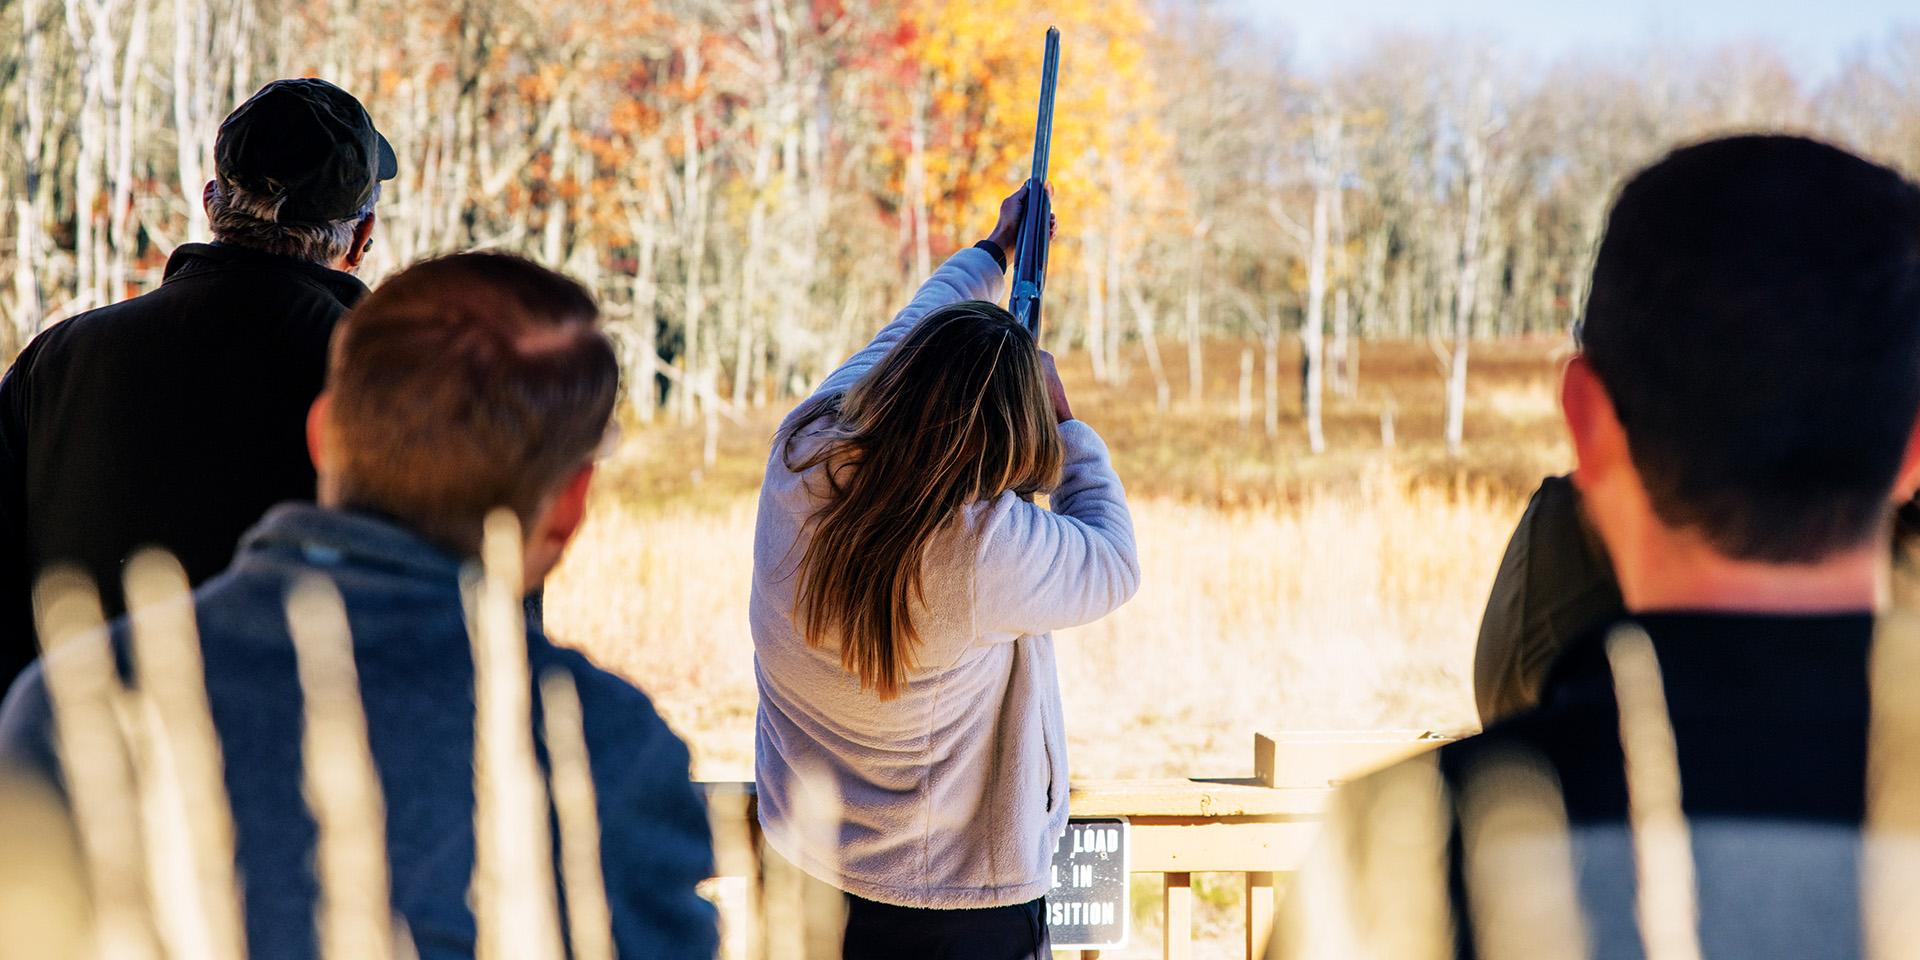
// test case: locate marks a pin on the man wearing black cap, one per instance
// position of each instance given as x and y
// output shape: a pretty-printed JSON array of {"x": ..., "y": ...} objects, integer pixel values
[{"x": 177, "y": 417}]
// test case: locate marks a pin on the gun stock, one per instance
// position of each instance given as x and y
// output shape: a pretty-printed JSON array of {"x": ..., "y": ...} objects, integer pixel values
[{"x": 1030, "y": 266}]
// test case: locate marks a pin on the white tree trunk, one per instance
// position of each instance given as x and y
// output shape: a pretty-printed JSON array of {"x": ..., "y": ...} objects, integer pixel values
[
  {"x": 1326, "y": 134},
  {"x": 1343, "y": 358},
  {"x": 27, "y": 307},
  {"x": 1246, "y": 388},
  {"x": 127, "y": 116},
  {"x": 1115, "y": 249},
  {"x": 1195, "y": 388},
  {"x": 553, "y": 233},
  {"x": 642, "y": 391},
  {"x": 818, "y": 202},
  {"x": 1143, "y": 315},
  {"x": 693, "y": 248},
  {"x": 190, "y": 109},
  {"x": 92, "y": 35},
  {"x": 1096, "y": 332},
  {"x": 1270, "y": 357},
  {"x": 746, "y": 337},
  {"x": 1325, "y": 179},
  {"x": 1475, "y": 147},
  {"x": 917, "y": 185},
  {"x": 242, "y": 21}
]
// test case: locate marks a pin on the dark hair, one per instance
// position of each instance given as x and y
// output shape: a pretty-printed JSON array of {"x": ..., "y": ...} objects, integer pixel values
[
  {"x": 1755, "y": 318},
  {"x": 955, "y": 413},
  {"x": 464, "y": 384}
]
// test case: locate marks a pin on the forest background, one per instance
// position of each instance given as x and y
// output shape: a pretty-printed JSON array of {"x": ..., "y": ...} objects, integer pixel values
[{"x": 1266, "y": 288}]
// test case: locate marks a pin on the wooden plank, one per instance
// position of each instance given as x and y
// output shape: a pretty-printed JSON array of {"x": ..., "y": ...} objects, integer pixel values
[
  {"x": 1226, "y": 844},
  {"x": 1223, "y": 797},
  {"x": 1328, "y": 758},
  {"x": 1177, "y": 825},
  {"x": 1260, "y": 907},
  {"x": 1351, "y": 736},
  {"x": 1176, "y": 934},
  {"x": 1192, "y": 798}
]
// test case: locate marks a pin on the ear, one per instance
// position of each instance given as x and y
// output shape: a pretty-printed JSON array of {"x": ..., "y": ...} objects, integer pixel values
[
  {"x": 206, "y": 195},
  {"x": 317, "y": 430},
  {"x": 1599, "y": 442},
  {"x": 362, "y": 239},
  {"x": 559, "y": 519},
  {"x": 569, "y": 507},
  {"x": 1907, "y": 482}
]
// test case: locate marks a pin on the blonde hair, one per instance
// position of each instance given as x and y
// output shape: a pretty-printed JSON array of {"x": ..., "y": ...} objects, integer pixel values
[{"x": 956, "y": 413}]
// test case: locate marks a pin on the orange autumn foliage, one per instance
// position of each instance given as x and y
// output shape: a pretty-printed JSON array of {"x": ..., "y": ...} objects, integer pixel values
[{"x": 979, "y": 64}]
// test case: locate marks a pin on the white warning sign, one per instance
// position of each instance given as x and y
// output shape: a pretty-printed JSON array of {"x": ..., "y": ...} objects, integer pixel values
[{"x": 1087, "y": 907}]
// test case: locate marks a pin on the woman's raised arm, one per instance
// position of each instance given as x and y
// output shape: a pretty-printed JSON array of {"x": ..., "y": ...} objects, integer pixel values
[
  {"x": 970, "y": 274},
  {"x": 1040, "y": 570}
]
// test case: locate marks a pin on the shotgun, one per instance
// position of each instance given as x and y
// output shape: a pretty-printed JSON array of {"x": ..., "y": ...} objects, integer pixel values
[{"x": 1030, "y": 267}]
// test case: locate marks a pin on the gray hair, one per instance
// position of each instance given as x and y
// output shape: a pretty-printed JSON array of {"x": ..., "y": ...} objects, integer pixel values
[{"x": 249, "y": 220}]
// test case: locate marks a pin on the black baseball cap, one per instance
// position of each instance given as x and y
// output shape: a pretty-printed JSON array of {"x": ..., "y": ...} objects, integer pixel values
[{"x": 309, "y": 141}]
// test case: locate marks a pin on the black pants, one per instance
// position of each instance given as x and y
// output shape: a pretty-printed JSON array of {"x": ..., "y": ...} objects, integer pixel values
[{"x": 882, "y": 931}]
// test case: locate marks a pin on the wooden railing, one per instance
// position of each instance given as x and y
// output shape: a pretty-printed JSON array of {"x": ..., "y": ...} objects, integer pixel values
[{"x": 1260, "y": 827}]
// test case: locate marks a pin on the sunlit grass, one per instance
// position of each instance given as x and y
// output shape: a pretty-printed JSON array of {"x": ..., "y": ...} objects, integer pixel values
[
  {"x": 1280, "y": 591},
  {"x": 1348, "y": 609}
]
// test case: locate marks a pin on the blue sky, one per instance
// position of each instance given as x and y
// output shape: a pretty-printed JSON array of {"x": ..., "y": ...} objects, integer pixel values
[{"x": 1814, "y": 35}]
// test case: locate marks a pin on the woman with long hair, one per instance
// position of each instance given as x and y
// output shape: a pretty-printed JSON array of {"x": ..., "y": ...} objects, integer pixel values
[{"x": 904, "y": 588}]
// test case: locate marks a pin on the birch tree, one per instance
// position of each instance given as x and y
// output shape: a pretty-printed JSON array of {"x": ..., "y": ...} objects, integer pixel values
[{"x": 1476, "y": 130}]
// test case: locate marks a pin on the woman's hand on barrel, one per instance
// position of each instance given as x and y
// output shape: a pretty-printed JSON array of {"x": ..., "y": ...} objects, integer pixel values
[{"x": 1006, "y": 232}]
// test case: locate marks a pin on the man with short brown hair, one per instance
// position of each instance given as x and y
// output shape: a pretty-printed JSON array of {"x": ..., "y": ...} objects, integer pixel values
[
  {"x": 418, "y": 421},
  {"x": 461, "y": 385}
]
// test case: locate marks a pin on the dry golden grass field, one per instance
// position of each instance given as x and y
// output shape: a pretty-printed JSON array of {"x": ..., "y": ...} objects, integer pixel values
[{"x": 1282, "y": 591}]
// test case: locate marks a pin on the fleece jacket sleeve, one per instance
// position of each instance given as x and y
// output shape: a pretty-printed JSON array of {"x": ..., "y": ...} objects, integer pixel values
[{"x": 1041, "y": 570}]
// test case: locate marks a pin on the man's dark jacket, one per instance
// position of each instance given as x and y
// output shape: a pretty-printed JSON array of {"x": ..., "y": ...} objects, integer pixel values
[
  {"x": 1769, "y": 716},
  {"x": 175, "y": 419},
  {"x": 416, "y": 678},
  {"x": 1554, "y": 582}
]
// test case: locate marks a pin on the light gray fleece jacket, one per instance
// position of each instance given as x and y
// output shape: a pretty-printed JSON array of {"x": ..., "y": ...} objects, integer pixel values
[{"x": 954, "y": 793}]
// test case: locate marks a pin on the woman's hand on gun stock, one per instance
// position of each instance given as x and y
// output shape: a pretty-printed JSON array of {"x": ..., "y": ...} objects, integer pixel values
[
  {"x": 1006, "y": 232},
  {"x": 1055, "y": 391}
]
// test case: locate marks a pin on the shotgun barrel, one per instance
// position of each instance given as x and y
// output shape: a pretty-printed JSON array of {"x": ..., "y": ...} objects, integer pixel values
[{"x": 1030, "y": 265}]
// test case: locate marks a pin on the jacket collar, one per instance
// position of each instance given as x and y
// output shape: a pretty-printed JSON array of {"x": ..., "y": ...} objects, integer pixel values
[
  {"x": 1764, "y": 667},
  {"x": 327, "y": 537},
  {"x": 191, "y": 258}
]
